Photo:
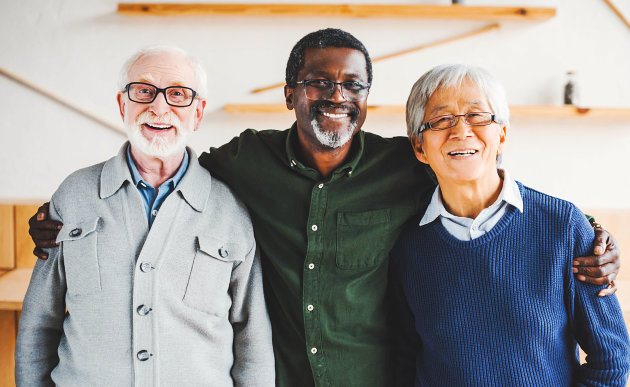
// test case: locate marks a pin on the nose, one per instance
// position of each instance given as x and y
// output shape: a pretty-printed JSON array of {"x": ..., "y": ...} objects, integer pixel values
[
  {"x": 159, "y": 106},
  {"x": 337, "y": 94},
  {"x": 461, "y": 129}
]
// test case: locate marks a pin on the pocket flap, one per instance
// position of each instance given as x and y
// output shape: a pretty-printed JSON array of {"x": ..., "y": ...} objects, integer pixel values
[
  {"x": 78, "y": 230},
  {"x": 221, "y": 249}
]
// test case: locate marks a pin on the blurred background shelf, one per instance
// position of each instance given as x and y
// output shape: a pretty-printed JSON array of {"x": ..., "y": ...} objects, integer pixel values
[{"x": 340, "y": 10}]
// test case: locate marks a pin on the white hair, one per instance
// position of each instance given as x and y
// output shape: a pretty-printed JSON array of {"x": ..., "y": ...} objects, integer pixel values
[
  {"x": 200, "y": 74},
  {"x": 452, "y": 75}
]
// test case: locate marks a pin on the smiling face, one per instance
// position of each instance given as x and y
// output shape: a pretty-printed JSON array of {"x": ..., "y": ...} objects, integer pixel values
[
  {"x": 329, "y": 123},
  {"x": 158, "y": 129},
  {"x": 463, "y": 153}
]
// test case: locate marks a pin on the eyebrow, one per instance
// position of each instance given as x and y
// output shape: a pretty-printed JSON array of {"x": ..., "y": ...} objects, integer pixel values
[
  {"x": 474, "y": 103},
  {"x": 147, "y": 78},
  {"x": 326, "y": 74}
]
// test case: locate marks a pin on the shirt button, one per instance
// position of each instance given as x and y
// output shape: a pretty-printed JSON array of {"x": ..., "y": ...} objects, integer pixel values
[
  {"x": 146, "y": 267},
  {"x": 154, "y": 212},
  {"x": 311, "y": 266},
  {"x": 143, "y": 355},
  {"x": 143, "y": 310},
  {"x": 310, "y": 308},
  {"x": 313, "y": 350},
  {"x": 76, "y": 232},
  {"x": 320, "y": 185},
  {"x": 314, "y": 227},
  {"x": 223, "y": 253}
]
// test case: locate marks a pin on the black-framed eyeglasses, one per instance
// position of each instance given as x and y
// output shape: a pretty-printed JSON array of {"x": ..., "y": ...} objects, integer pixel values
[
  {"x": 352, "y": 91},
  {"x": 449, "y": 120},
  {"x": 178, "y": 96}
]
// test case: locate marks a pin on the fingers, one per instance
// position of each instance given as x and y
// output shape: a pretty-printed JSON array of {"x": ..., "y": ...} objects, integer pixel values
[
  {"x": 601, "y": 241},
  {"x": 45, "y": 243},
  {"x": 39, "y": 253},
  {"x": 611, "y": 289},
  {"x": 610, "y": 255},
  {"x": 597, "y": 271},
  {"x": 604, "y": 280}
]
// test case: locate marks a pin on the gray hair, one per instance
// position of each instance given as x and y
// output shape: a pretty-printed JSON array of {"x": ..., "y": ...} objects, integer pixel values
[
  {"x": 200, "y": 74},
  {"x": 452, "y": 75}
]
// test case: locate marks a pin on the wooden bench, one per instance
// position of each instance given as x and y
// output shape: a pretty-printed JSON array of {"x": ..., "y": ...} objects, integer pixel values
[{"x": 17, "y": 261}]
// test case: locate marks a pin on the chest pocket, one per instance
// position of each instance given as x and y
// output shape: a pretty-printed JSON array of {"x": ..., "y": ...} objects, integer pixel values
[
  {"x": 359, "y": 238},
  {"x": 209, "y": 282},
  {"x": 80, "y": 257}
]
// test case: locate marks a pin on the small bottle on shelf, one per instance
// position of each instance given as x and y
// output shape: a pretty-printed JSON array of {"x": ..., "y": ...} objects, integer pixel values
[{"x": 571, "y": 96}]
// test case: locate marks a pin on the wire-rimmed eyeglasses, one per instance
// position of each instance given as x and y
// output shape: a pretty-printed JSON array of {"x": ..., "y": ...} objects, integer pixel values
[
  {"x": 449, "y": 120},
  {"x": 178, "y": 96}
]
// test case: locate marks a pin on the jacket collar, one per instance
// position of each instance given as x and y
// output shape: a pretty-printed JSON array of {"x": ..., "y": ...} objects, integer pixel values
[{"x": 194, "y": 185}]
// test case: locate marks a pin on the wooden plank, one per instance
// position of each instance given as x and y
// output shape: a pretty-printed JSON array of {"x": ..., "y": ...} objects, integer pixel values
[
  {"x": 515, "y": 111},
  {"x": 24, "y": 246},
  {"x": 8, "y": 334},
  {"x": 617, "y": 12},
  {"x": 7, "y": 237},
  {"x": 13, "y": 286},
  {"x": 412, "y": 11}
]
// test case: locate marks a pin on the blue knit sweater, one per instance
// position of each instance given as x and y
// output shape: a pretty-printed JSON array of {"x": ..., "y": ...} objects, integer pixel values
[{"x": 504, "y": 309}]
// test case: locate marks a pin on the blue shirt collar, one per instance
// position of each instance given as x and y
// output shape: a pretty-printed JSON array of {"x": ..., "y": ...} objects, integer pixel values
[
  {"x": 138, "y": 180},
  {"x": 510, "y": 194}
]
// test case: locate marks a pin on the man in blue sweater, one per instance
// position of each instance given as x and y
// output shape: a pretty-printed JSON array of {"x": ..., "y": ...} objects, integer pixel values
[{"x": 500, "y": 305}]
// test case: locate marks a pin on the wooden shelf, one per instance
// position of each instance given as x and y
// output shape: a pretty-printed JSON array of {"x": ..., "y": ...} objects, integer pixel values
[
  {"x": 340, "y": 10},
  {"x": 515, "y": 111}
]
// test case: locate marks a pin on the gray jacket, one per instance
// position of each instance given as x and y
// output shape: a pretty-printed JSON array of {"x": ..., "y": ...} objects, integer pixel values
[{"x": 180, "y": 303}]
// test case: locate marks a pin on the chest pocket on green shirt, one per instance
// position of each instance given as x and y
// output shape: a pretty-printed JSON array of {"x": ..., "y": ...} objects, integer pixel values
[{"x": 360, "y": 238}]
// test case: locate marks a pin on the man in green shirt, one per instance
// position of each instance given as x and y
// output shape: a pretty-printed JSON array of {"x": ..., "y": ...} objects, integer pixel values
[{"x": 327, "y": 202}]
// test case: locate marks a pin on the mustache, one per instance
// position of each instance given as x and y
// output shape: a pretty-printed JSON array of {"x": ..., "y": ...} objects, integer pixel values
[
  {"x": 323, "y": 104},
  {"x": 167, "y": 118}
]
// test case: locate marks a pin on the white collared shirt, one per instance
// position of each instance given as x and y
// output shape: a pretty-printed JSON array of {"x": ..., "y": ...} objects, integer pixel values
[{"x": 466, "y": 228}]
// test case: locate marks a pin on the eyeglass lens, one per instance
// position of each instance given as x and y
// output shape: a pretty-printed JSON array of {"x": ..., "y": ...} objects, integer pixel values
[
  {"x": 450, "y": 120},
  {"x": 175, "y": 95},
  {"x": 323, "y": 89}
]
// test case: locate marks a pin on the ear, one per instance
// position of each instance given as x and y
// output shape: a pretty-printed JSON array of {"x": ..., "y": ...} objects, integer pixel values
[
  {"x": 502, "y": 136},
  {"x": 120, "y": 98},
  {"x": 199, "y": 109},
  {"x": 418, "y": 151},
  {"x": 288, "y": 96}
]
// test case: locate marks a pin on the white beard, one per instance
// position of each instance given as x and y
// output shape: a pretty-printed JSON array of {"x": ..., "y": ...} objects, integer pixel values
[
  {"x": 158, "y": 146},
  {"x": 332, "y": 140}
]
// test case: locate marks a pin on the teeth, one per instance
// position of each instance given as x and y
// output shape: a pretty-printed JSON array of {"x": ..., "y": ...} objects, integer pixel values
[
  {"x": 159, "y": 126},
  {"x": 463, "y": 153},
  {"x": 334, "y": 115}
]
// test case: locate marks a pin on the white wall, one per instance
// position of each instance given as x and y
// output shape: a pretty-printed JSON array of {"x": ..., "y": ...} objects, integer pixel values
[{"x": 75, "y": 48}]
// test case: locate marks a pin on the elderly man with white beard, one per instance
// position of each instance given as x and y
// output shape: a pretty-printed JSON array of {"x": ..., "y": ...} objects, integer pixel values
[{"x": 156, "y": 279}]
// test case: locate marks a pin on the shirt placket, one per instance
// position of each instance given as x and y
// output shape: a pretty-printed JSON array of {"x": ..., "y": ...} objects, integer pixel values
[{"x": 311, "y": 300}]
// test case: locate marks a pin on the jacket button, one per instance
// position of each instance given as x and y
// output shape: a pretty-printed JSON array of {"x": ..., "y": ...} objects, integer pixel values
[
  {"x": 143, "y": 310},
  {"x": 143, "y": 355},
  {"x": 223, "y": 252},
  {"x": 146, "y": 267},
  {"x": 76, "y": 232}
]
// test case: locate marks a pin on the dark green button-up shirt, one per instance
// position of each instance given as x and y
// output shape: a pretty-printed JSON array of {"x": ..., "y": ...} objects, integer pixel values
[{"x": 324, "y": 245}]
